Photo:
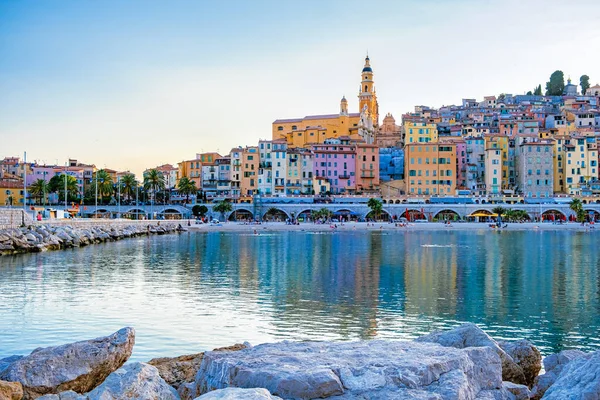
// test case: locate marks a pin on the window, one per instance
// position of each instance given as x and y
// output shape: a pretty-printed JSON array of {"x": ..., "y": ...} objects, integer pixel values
[
  {"x": 294, "y": 127},
  {"x": 280, "y": 128}
]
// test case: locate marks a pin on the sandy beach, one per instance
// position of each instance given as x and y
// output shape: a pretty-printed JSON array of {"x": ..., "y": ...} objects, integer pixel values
[{"x": 384, "y": 226}]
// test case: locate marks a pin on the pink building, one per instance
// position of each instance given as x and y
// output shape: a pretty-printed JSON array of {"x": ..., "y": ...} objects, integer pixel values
[
  {"x": 367, "y": 167},
  {"x": 335, "y": 161}
]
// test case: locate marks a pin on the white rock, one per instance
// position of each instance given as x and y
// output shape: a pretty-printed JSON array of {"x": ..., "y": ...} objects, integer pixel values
[{"x": 239, "y": 394}]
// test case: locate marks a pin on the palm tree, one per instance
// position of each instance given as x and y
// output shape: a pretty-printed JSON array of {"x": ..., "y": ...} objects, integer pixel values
[
  {"x": 154, "y": 181},
  {"x": 577, "y": 206},
  {"x": 128, "y": 185},
  {"x": 223, "y": 207},
  {"x": 272, "y": 212},
  {"x": 104, "y": 182},
  {"x": 499, "y": 210},
  {"x": 187, "y": 187},
  {"x": 39, "y": 189},
  {"x": 376, "y": 206}
]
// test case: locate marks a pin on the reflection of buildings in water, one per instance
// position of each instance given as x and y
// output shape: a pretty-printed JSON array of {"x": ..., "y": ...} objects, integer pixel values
[
  {"x": 431, "y": 269},
  {"x": 331, "y": 290}
]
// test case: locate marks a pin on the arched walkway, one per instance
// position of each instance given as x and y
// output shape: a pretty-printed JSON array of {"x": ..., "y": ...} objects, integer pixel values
[
  {"x": 170, "y": 213},
  {"x": 553, "y": 215},
  {"x": 240, "y": 214},
  {"x": 481, "y": 215},
  {"x": 413, "y": 215},
  {"x": 305, "y": 215},
  {"x": 345, "y": 214},
  {"x": 592, "y": 215},
  {"x": 275, "y": 214},
  {"x": 383, "y": 216},
  {"x": 446, "y": 215},
  {"x": 134, "y": 213}
]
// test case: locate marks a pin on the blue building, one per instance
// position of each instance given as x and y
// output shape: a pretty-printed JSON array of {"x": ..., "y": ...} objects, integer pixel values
[{"x": 391, "y": 163}]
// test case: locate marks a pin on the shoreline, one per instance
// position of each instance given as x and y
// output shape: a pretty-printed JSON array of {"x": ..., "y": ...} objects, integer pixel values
[{"x": 240, "y": 227}]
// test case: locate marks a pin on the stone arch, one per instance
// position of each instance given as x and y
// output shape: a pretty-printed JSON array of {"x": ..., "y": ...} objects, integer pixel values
[
  {"x": 101, "y": 213},
  {"x": 553, "y": 215},
  {"x": 398, "y": 201},
  {"x": 133, "y": 213},
  {"x": 384, "y": 201},
  {"x": 413, "y": 214},
  {"x": 345, "y": 213},
  {"x": 481, "y": 215},
  {"x": 447, "y": 215},
  {"x": 239, "y": 214},
  {"x": 385, "y": 215},
  {"x": 275, "y": 214},
  {"x": 170, "y": 213},
  {"x": 305, "y": 215},
  {"x": 589, "y": 212}
]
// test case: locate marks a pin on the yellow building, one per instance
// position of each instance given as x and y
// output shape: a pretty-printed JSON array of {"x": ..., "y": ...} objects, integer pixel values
[
  {"x": 192, "y": 169},
  {"x": 420, "y": 132},
  {"x": 11, "y": 193},
  {"x": 249, "y": 171},
  {"x": 576, "y": 162},
  {"x": 430, "y": 168},
  {"x": 499, "y": 142},
  {"x": 300, "y": 132}
]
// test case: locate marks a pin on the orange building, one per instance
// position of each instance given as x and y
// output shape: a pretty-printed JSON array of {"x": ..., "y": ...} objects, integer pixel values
[{"x": 430, "y": 168}]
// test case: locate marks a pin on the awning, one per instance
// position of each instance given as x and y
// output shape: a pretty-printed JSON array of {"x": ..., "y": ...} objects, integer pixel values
[{"x": 479, "y": 214}]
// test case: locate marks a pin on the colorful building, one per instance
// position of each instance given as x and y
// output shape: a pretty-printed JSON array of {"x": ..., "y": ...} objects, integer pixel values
[
  {"x": 335, "y": 161},
  {"x": 430, "y": 168},
  {"x": 420, "y": 132}
]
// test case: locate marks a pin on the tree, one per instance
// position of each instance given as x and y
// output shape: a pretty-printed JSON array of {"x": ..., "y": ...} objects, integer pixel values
[
  {"x": 538, "y": 90},
  {"x": 577, "y": 206},
  {"x": 186, "y": 187},
  {"x": 223, "y": 207},
  {"x": 376, "y": 206},
  {"x": 272, "y": 212},
  {"x": 556, "y": 84},
  {"x": 57, "y": 185},
  {"x": 199, "y": 210},
  {"x": 529, "y": 93},
  {"x": 500, "y": 211},
  {"x": 128, "y": 186},
  {"x": 38, "y": 189},
  {"x": 104, "y": 182},
  {"x": 584, "y": 81},
  {"x": 154, "y": 181}
]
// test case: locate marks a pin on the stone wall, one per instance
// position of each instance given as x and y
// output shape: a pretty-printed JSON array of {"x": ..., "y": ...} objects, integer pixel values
[{"x": 13, "y": 217}]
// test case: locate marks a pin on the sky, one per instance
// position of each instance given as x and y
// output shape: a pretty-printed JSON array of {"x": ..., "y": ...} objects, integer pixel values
[{"x": 134, "y": 84}]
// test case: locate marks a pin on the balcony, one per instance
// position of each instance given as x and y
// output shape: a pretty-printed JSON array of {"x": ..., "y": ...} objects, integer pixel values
[{"x": 344, "y": 176}]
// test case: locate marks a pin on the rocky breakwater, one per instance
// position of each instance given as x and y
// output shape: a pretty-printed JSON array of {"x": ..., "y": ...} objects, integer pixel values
[
  {"x": 37, "y": 238},
  {"x": 461, "y": 364}
]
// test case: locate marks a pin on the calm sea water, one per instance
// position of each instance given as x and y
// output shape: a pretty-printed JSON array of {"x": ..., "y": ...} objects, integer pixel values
[{"x": 196, "y": 291}]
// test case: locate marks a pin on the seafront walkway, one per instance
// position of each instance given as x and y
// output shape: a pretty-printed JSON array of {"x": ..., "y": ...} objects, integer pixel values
[{"x": 249, "y": 211}]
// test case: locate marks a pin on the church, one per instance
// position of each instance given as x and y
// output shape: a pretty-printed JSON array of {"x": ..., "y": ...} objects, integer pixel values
[{"x": 360, "y": 126}]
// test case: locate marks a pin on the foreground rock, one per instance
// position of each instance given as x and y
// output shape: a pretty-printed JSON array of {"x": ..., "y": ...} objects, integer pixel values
[
  {"x": 526, "y": 355},
  {"x": 239, "y": 394},
  {"x": 79, "y": 366},
  {"x": 11, "y": 390},
  {"x": 579, "y": 379},
  {"x": 135, "y": 381},
  {"x": 68, "y": 395},
  {"x": 553, "y": 365},
  {"x": 469, "y": 335},
  {"x": 350, "y": 370},
  {"x": 179, "y": 370}
]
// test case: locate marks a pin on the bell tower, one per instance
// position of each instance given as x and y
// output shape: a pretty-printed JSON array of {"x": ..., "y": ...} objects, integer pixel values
[{"x": 366, "y": 93}]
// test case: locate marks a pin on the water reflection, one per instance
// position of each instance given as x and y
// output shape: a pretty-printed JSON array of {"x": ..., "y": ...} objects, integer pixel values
[{"x": 193, "y": 292}]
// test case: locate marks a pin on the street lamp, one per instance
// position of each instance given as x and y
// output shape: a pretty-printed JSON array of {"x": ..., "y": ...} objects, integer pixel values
[
  {"x": 96, "y": 210},
  {"x": 119, "y": 196}
]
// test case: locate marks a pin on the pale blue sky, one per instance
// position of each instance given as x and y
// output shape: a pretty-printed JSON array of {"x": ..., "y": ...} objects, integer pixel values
[{"x": 134, "y": 84}]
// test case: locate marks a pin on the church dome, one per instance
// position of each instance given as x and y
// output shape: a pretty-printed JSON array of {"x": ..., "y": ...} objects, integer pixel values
[{"x": 367, "y": 69}]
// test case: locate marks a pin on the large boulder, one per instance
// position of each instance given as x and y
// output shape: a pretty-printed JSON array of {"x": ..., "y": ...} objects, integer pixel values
[
  {"x": 553, "y": 366},
  {"x": 579, "y": 379},
  {"x": 5, "y": 362},
  {"x": 526, "y": 355},
  {"x": 239, "y": 394},
  {"x": 521, "y": 392},
  {"x": 79, "y": 366},
  {"x": 68, "y": 395},
  {"x": 469, "y": 335},
  {"x": 135, "y": 381},
  {"x": 179, "y": 370},
  {"x": 373, "y": 369},
  {"x": 11, "y": 390}
]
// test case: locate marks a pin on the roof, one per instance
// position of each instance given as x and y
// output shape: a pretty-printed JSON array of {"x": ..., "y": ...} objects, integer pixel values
[{"x": 309, "y": 117}]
